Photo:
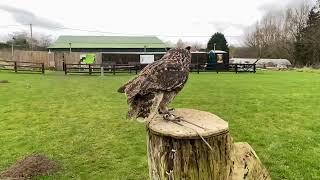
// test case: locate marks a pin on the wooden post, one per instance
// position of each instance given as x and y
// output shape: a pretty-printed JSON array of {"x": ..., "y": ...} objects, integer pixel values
[
  {"x": 136, "y": 68},
  {"x": 15, "y": 66},
  {"x": 114, "y": 69},
  {"x": 198, "y": 65},
  {"x": 90, "y": 69},
  {"x": 101, "y": 71},
  {"x": 198, "y": 68},
  {"x": 42, "y": 68},
  {"x": 65, "y": 68},
  {"x": 63, "y": 62},
  {"x": 217, "y": 66},
  {"x": 198, "y": 147}
]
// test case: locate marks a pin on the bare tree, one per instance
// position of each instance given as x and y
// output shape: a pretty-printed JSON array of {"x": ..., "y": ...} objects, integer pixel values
[
  {"x": 44, "y": 41},
  {"x": 274, "y": 36},
  {"x": 22, "y": 40},
  {"x": 196, "y": 46},
  {"x": 180, "y": 44}
]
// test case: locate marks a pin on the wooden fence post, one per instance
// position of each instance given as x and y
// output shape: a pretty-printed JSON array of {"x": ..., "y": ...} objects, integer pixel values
[
  {"x": 217, "y": 66},
  {"x": 198, "y": 68},
  {"x": 65, "y": 68},
  {"x": 42, "y": 68},
  {"x": 15, "y": 66},
  {"x": 198, "y": 147},
  {"x": 101, "y": 71},
  {"x": 114, "y": 69},
  {"x": 136, "y": 68},
  {"x": 198, "y": 71},
  {"x": 90, "y": 69},
  {"x": 63, "y": 65}
]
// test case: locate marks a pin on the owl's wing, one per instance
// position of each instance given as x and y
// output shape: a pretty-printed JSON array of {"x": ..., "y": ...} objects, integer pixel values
[
  {"x": 164, "y": 75},
  {"x": 144, "y": 71}
]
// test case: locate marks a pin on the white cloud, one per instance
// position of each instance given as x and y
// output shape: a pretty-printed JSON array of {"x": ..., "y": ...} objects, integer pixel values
[{"x": 167, "y": 17}]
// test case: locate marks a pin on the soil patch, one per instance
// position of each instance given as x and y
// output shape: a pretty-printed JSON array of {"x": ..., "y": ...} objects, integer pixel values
[
  {"x": 30, "y": 166},
  {"x": 4, "y": 81}
]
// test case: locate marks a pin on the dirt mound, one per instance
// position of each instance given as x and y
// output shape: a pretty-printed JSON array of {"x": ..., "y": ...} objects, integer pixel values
[
  {"x": 30, "y": 166},
  {"x": 4, "y": 81}
]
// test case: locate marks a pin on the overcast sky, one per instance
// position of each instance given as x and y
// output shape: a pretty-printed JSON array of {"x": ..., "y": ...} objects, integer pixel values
[{"x": 169, "y": 19}]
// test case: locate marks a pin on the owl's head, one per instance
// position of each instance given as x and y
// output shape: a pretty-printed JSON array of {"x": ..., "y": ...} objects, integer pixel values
[{"x": 182, "y": 55}]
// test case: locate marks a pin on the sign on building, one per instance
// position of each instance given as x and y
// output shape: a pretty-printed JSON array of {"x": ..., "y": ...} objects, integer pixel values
[
  {"x": 146, "y": 59},
  {"x": 87, "y": 58}
]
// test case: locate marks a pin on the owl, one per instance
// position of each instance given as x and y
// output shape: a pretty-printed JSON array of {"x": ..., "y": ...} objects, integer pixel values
[{"x": 157, "y": 85}]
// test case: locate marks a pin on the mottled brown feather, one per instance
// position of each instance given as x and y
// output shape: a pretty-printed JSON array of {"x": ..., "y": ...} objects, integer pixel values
[{"x": 168, "y": 74}]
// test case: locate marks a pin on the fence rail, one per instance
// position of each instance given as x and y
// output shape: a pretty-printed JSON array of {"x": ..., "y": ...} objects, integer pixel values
[
  {"x": 237, "y": 68},
  {"x": 100, "y": 68},
  {"x": 129, "y": 68},
  {"x": 22, "y": 66}
]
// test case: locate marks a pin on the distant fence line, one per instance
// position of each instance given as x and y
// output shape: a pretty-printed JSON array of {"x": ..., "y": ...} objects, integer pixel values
[
  {"x": 51, "y": 60},
  {"x": 21, "y": 66}
]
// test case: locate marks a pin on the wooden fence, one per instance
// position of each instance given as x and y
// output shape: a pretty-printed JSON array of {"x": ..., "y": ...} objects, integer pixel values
[
  {"x": 101, "y": 68},
  {"x": 237, "y": 68},
  {"x": 21, "y": 66},
  {"x": 53, "y": 60}
]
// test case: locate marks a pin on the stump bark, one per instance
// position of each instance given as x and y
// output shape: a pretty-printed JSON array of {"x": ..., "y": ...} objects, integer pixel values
[{"x": 199, "y": 147}]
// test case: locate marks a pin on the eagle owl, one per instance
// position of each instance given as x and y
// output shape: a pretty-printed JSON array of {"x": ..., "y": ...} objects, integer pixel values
[{"x": 157, "y": 85}]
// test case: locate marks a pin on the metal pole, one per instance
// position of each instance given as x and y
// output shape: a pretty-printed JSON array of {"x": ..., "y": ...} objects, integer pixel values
[
  {"x": 12, "y": 55},
  {"x": 31, "y": 35},
  {"x": 260, "y": 51},
  {"x": 215, "y": 58},
  {"x": 70, "y": 47},
  {"x": 12, "y": 50},
  {"x": 101, "y": 71},
  {"x": 214, "y": 49}
]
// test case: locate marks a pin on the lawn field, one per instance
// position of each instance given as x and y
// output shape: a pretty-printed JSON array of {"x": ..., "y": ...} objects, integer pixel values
[{"x": 79, "y": 121}]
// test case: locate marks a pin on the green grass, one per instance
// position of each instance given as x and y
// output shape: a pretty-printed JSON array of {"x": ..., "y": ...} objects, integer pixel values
[{"x": 79, "y": 121}]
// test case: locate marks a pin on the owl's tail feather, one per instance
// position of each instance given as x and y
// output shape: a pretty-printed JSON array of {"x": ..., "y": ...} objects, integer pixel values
[
  {"x": 140, "y": 106},
  {"x": 121, "y": 89}
]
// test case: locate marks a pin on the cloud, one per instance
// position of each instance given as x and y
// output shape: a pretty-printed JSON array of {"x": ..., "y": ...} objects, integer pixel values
[
  {"x": 280, "y": 5},
  {"x": 26, "y": 17},
  {"x": 223, "y": 26}
]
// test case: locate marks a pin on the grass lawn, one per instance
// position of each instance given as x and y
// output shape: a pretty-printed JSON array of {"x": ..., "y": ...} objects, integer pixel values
[{"x": 79, "y": 121}]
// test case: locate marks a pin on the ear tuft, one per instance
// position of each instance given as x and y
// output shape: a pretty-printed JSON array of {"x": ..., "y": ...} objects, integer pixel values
[{"x": 188, "y": 48}]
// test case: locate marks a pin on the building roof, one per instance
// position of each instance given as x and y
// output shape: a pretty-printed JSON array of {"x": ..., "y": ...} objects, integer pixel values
[{"x": 119, "y": 42}]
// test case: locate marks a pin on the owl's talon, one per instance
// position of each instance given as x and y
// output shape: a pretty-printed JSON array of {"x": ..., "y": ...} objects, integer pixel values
[
  {"x": 167, "y": 111},
  {"x": 171, "y": 117}
]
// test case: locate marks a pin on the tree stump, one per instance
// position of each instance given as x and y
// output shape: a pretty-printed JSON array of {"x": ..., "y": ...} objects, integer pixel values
[
  {"x": 199, "y": 147},
  {"x": 246, "y": 163}
]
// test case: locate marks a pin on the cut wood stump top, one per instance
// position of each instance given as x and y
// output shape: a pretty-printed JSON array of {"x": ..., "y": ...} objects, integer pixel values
[{"x": 194, "y": 123}]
